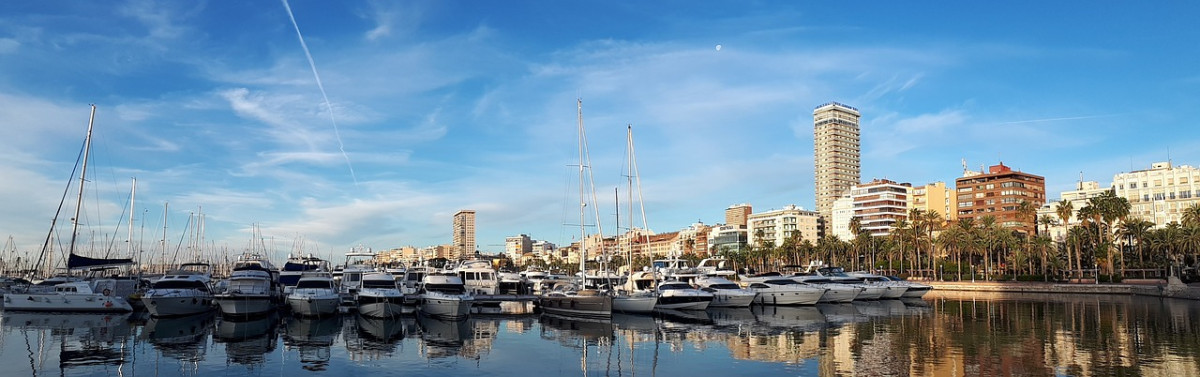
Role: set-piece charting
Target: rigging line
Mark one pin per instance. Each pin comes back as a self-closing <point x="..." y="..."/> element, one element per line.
<point x="311" y="63"/>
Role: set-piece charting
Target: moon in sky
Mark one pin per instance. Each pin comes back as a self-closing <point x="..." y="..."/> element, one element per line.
<point x="718" y="47"/>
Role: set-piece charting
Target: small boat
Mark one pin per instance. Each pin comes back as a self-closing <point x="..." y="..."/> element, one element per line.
<point x="182" y="292"/>
<point x="315" y="295"/>
<point x="252" y="288"/>
<point x="379" y="296"/>
<point x="726" y="293"/>
<point x="443" y="295"/>
<point x="681" y="296"/>
<point x="74" y="297"/>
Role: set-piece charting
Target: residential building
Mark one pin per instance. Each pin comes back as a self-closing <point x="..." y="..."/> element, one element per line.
<point x="935" y="197"/>
<point x="1078" y="198"/>
<point x="516" y="246"/>
<point x="464" y="234"/>
<point x="879" y="204"/>
<point x="839" y="221"/>
<point x="1161" y="193"/>
<point x="836" y="153"/>
<point x="694" y="239"/>
<point x="736" y="214"/>
<point x="997" y="193"/>
<point x="778" y="225"/>
<point x="727" y="238"/>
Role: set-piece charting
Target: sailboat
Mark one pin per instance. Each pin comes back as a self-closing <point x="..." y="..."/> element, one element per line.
<point x="630" y="300"/>
<point x="99" y="295"/>
<point x="572" y="299"/>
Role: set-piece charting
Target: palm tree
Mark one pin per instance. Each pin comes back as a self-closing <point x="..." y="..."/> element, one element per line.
<point x="1027" y="214"/>
<point x="1136" y="231"/>
<point x="1191" y="216"/>
<point x="1064" y="210"/>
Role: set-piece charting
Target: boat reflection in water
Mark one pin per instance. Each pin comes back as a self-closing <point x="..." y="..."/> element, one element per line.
<point x="791" y="318"/>
<point x="180" y="338"/>
<point x="442" y="337"/>
<point x="312" y="337"/>
<point x="371" y="338"/>
<point x="83" y="339"/>
<point x="247" y="341"/>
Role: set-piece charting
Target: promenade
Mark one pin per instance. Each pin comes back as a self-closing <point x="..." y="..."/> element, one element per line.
<point x="1181" y="291"/>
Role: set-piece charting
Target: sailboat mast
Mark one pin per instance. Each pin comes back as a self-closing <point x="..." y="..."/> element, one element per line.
<point x="87" y="149"/>
<point x="129" y="239"/>
<point x="582" y="198"/>
<point x="629" y="178"/>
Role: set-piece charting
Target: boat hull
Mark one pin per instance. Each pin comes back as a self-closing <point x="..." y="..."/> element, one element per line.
<point x="245" y="305"/>
<point x="634" y="304"/>
<point x="597" y="306"/>
<point x="894" y="291"/>
<point x="72" y="303"/>
<point x="789" y="297"/>
<point x="840" y="294"/>
<point x="314" y="306"/>
<point x="177" y="305"/>
<point x="382" y="306"/>
<point x="683" y="302"/>
<point x="916" y="291"/>
<point x="731" y="299"/>
<point x="449" y="307"/>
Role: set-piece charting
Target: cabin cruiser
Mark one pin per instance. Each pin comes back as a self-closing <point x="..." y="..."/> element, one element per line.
<point x="716" y="266"/>
<point x="915" y="290"/>
<point x="410" y="285"/>
<point x="569" y="299"/>
<point x="726" y="293"/>
<point x="512" y="283"/>
<point x="838" y="275"/>
<point x="782" y="290"/>
<point x="253" y="288"/>
<point x="314" y="295"/>
<point x="679" y="295"/>
<point x="74" y="296"/>
<point x="181" y="292"/>
<point x="478" y="277"/>
<point x="357" y="264"/>
<point x="893" y="290"/>
<point x="834" y="292"/>
<point x="296" y="266"/>
<point x="675" y="269"/>
<point x="443" y="295"/>
<point x="380" y="296"/>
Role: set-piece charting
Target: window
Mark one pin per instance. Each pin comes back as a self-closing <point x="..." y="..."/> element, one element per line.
<point x="1132" y="185"/>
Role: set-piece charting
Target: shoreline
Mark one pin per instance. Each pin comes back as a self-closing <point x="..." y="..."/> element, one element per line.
<point x="1178" y="291"/>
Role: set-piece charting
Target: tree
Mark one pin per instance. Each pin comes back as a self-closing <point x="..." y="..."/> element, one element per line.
<point x="1136" y="231"/>
<point x="1064" y="210"/>
<point x="1191" y="216"/>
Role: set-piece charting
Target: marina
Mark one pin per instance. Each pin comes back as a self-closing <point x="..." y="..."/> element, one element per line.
<point x="1006" y="334"/>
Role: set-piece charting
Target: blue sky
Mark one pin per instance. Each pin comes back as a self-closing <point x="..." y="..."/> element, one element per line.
<point x="447" y="105"/>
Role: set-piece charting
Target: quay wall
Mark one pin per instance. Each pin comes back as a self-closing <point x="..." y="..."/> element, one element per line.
<point x="1179" y="291"/>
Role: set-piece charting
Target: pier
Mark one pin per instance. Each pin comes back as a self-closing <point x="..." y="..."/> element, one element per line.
<point x="1177" y="290"/>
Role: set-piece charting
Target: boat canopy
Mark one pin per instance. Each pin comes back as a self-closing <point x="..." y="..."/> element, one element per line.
<point x="81" y="262"/>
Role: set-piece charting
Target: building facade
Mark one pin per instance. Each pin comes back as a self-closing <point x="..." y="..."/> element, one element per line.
<point x="997" y="193"/>
<point x="729" y="238"/>
<point x="836" y="153"/>
<point x="1161" y="193"/>
<point x="464" y="234"/>
<point x="778" y="225"/>
<point x="736" y="214"/>
<point x="879" y="204"/>
<point x="839" y="220"/>
<point x="1078" y="198"/>
<point x="516" y="246"/>
<point x="935" y="197"/>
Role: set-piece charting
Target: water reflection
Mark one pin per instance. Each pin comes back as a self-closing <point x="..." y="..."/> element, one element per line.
<point x="247" y="342"/>
<point x="948" y="334"/>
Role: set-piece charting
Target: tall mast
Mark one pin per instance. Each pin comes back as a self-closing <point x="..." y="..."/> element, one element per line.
<point x="129" y="239"/>
<point x="87" y="149"/>
<point x="582" y="200"/>
<point x="629" y="178"/>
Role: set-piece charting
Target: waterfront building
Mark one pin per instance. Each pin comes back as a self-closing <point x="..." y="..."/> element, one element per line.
<point x="658" y="245"/>
<point x="997" y="193"/>
<point x="518" y="245"/>
<point x="839" y="221"/>
<point x="464" y="234"/>
<point x="440" y="251"/>
<point x="694" y="239"/>
<point x="935" y="197"/>
<point x="836" y="153"/>
<point x="736" y="214"/>
<point x="1161" y="193"/>
<point x="1078" y="198"/>
<point x="775" y="226"/>
<point x="727" y="238"/>
<point x="879" y="204"/>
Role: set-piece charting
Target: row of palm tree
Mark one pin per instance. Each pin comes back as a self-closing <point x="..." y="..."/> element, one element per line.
<point x="1102" y="238"/>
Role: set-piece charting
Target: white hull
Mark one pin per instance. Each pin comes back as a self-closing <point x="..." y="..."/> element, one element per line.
<point x="314" y="306"/>
<point x="870" y="292"/>
<point x="445" y="306"/>
<point x="789" y="297"/>
<point x="732" y="299"/>
<point x="66" y="302"/>
<point x="916" y="291"/>
<point x="176" y="305"/>
<point x="245" y="305"/>
<point x="837" y="293"/>
<point x="894" y="291"/>
<point x="634" y="304"/>
<point x="383" y="310"/>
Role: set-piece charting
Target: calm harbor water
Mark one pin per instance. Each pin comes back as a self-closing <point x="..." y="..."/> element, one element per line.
<point x="946" y="334"/>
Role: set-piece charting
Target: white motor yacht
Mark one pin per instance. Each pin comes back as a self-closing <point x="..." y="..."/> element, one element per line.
<point x="410" y="285"/>
<point x="726" y="293"/>
<point x="839" y="276"/>
<point x="893" y="290"/>
<point x="76" y="296"/>
<point x="252" y="288"/>
<point x="380" y="296"/>
<point x="915" y="290"/>
<point x="443" y="295"/>
<point x="314" y="295"/>
<point x="834" y="292"/>
<point x="782" y="290"/>
<point x="358" y="263"/>
<point x="478" y="277"/>
<point x="681" y="296"/>
<point x="716" y="266"/>
<point x="295" y="268"/>
<point x="181" y="292"/>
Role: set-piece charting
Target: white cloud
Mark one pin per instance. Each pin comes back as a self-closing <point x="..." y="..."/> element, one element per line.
<point x="9" y="45"/>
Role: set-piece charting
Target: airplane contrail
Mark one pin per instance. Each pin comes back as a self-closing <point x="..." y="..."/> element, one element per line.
<point x="1059" y="119"/>
<point x="313" y="64"/>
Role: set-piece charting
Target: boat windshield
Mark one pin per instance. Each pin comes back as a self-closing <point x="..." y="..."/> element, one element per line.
<point x="724" y="286"/>
<point x="782" y="282"/>
<point x="180" y="284"/>
<point x="319" y="284"/>
<point x="379" y="284"/>
<point x="453" y="289"/>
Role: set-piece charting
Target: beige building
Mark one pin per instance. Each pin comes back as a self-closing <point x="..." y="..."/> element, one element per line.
<point x="879" y="204"/>
<point x="516" y="246"/>
<point x="777" y="225"/>
<point x="838" y="224"/>
<point x="736" y="214"/>
<point x="464" y="234"/>
<point x="1078" y="198"/>
<point x="935" y="197"/>
<point x="836" y="153"/>
<point x="1161" y="193"/>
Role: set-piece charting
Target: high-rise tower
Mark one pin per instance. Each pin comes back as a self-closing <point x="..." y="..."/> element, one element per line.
<point x="835" y="153"/>
<point x="464" y="234"/>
